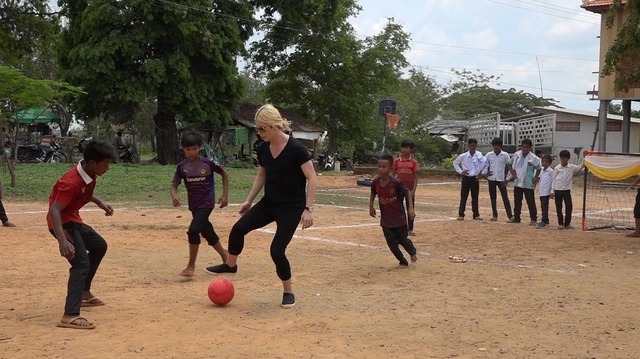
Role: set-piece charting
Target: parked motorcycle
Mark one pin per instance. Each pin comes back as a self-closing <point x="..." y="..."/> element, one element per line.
<point x="36" y="153"/>
<point x="328" y="162"/>
<point x="128" y="154"/>
<point x="77" y="149"/>
<point x="54" y="154"/>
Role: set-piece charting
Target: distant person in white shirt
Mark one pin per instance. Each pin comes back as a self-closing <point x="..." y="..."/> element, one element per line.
<point x="561" y="186"/>
<point x="470" y="166"/>
<point x="545" y="182"/>
<point x="496" y="169"/>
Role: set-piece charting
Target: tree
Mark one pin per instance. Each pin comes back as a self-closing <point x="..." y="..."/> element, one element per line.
<point x="315" y="65"/>
<point x="19" y="92"/>
<point x="472" y="96"/>
<point x="616" y="109"/>
<point x="181" y="55"/>
<point x="418" y="98"/>
<point x="29" y="34"/>
<point x="254" y="88"/>
<point x="623" y="57"/>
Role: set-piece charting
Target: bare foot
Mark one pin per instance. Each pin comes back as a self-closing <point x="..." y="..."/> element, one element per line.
<point x="414" y="258"/>
<point x="188" y="272"/>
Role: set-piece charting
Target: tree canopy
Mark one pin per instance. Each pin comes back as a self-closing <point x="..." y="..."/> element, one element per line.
<point x="623" y="57"/>
<point x="315" y="64"/>
<point x="181" y="55"/>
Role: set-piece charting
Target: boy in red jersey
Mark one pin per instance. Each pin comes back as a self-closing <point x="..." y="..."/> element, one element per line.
<point x="393" y="219"/>
<point x="197" y="173"/>
<point x="405" y="168"/>
<point x="79" y="243"/>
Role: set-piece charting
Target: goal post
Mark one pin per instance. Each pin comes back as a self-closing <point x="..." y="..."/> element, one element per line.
<point x="608" y="200"/>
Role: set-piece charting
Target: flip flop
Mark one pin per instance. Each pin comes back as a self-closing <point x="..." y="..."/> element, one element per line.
<point x="92" y="302"/>
<point x="187" y="273"/>
<point x="72" y="323"/>
<point x="457" y="259"/>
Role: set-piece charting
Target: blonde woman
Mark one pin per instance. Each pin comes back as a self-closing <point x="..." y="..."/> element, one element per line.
<point x="286" y="172"/>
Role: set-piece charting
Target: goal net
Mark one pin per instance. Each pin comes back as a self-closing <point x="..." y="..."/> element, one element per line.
<point x="607" y="198"/>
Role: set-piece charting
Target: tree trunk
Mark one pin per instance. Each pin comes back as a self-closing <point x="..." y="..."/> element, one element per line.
<point x="166" y="134"/>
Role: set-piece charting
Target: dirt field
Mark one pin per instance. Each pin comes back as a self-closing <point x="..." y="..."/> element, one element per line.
<point x="523" y="293"/>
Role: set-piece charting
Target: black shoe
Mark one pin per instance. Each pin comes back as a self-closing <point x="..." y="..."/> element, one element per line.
<point x="288" y="300"/>
<point x="221" y="268"/>
<point x="403" y="262"/>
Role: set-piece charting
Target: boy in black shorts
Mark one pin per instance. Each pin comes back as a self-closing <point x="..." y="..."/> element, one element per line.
<point x="197" y="173"/>
<point x="393" y="219"/>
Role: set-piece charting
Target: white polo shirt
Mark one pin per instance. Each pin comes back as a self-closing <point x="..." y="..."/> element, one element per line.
<point x="473" y="164"/>
<point x="563" y="176"/>
<point x="496" y="164"/>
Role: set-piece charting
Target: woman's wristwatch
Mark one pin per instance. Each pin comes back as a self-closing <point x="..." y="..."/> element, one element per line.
<point x="310" y="209"/>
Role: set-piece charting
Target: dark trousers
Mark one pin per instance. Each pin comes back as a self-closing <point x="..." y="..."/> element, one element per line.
<point x="410" y="220"/>
<point x="469" y="184"/>
<point x="261" y="214"/>
<point x="3" y="213"/>
<point x="528" y="194"/>
<point x="544" y="207"/>
<point x="200" y="224"/>
<point x="399" y="237"/>
<point x="564" y="196"/>
<point x="90" y="248"/>
<point x="505" y="198"/>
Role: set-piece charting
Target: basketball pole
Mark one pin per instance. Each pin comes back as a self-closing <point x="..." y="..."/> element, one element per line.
<point x="384" y="134"/>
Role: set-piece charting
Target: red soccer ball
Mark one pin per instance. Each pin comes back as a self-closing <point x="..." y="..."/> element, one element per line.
<point x="221" y="291"/>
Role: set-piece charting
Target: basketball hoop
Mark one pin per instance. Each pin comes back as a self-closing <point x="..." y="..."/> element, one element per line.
<point x="392" y="120"/>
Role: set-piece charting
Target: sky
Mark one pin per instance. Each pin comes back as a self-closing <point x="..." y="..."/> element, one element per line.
<point x="549" y="48"/>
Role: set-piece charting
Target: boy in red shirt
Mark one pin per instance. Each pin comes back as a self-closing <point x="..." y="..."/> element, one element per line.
<point x="79" y="243"/>
<point x="405" y="168"/>
<point x="393" y="220"/>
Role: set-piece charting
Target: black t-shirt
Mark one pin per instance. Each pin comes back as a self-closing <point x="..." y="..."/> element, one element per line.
<point x="285" y="182"/>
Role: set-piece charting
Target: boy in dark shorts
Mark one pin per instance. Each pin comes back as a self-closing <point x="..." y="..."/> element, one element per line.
<point x="79" y="243"/>
<point x="197" y="173"/>
<point x="391" y="193"/>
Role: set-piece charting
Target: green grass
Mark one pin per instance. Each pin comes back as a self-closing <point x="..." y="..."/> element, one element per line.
<point x="147" y="184"/>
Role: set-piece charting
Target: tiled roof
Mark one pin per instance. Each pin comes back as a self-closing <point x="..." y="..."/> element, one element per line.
<point x="598" y="5"/>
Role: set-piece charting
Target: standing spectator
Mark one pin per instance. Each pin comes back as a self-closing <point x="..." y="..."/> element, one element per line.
<point x="470" y="166"/>
<point x="496" y="166"/>
<point x="636" y="209"/>
<point x="561" y="186"/>
<point x="524" y="169"/>
<point x="546" y="180"/>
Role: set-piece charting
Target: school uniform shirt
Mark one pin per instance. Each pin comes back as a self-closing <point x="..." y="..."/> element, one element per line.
<point x="563" y="176"/>
<point x="391" y="201"/>
<point x="74" y="189"/>
<point x="406" y="170"/>
<point x="473" y="164"/>
<point x="199" y="181"/>
<point x="525" y="168"/>
<point x="496" y="164"/>
<point x="546" y="179"/>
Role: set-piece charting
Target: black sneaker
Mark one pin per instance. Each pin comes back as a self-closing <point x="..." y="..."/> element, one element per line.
<point x="221" y="268"/>
<point x="403" y="262"/>
<point x="288" y="300"/>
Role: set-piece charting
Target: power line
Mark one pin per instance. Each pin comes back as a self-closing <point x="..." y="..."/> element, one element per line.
<point x="542" y="12"/>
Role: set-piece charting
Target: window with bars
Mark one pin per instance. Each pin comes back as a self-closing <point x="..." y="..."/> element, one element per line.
<point x="568" y="126"/>
<point x="614" y="126"/>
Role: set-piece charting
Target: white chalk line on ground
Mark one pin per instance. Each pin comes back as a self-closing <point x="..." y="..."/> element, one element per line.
<point x="354" y="244"/>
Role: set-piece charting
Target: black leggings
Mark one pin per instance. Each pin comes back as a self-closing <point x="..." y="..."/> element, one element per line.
<point x="261" y="214"/>
<point x="200" y="224"/>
